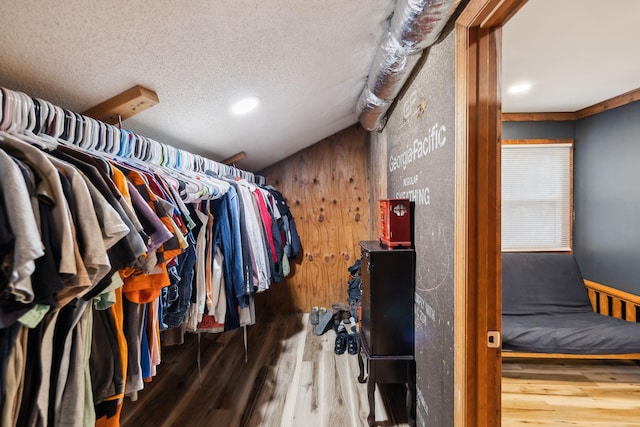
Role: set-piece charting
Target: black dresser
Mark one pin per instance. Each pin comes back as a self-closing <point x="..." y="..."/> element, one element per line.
<point x="387" y="329"/>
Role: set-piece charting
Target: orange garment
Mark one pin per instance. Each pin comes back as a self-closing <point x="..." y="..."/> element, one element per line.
<point x="121" y="183"/>
<point x="138" y="287"/>
<point x="143" y="288"/>
<point x="113" y="421"/>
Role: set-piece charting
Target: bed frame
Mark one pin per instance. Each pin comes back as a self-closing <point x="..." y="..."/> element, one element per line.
<point x="608" y="302"/>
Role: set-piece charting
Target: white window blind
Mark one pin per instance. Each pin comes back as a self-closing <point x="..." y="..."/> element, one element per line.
<point x="536" y="197"/>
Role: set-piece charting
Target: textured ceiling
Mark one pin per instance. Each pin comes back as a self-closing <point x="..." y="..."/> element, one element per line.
<point x="576" y="53"/>
<point x="306" y="60"/>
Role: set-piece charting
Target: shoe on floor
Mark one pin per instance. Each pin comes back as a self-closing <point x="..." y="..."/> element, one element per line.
<point x="324" y="323"/>
<point x="352" y="344"/>
<point x="353" y="269"/>
<point x="314" y="316"/>
<point x="339" y="306"/>
<point x="341" y="343"/>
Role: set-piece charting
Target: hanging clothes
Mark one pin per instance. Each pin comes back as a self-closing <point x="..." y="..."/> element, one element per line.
<point x="106" y="240"/>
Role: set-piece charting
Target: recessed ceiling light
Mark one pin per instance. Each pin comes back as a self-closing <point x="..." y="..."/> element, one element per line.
<point x="245" y="105"/>
<point x="520" y="88"/>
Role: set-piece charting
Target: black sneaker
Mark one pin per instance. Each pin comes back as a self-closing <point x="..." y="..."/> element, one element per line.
<point x="352" y="344"/>
<point x="341" y="343"/>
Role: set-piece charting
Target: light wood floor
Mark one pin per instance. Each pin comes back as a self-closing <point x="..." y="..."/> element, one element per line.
<point x="292" y="378"/>
<point x="570" y="393"/>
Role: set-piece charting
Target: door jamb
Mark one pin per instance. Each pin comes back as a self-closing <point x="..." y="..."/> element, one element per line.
<point x="477" y="278"/>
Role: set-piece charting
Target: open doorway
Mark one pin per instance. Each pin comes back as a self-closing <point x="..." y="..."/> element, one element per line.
<point x="574" y="99"/>
<point x="477" y="254"/>
<point x="478" y="201"/>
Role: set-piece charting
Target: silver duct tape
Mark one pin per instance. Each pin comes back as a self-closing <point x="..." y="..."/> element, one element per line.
<point x="371" y="110"/>
<point x="390" y="69"/>
<point x="418" y="23"/>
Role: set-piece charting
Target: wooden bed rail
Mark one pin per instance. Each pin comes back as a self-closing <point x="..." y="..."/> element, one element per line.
<point x="613" y="302"/>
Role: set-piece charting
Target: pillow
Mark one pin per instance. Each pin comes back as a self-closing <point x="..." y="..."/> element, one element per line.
<point x="542" y="283"/>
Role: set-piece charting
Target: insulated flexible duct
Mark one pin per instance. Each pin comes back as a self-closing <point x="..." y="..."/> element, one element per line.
<point x="415" y="25"/>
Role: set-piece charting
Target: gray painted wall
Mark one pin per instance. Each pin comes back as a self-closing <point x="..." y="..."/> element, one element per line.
<point x="606" y="234"/>
<point x="538" y="130"/>
<point x="607" y="197"/>
<point x="421" y="167"/>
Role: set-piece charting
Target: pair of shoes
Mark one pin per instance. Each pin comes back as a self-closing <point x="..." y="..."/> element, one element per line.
<point x="314" y="316"/>
<point x="341" y="343"/>
<point x="352" y="344"/>
<point x="325" y="322"/>
<point x="355" y="268"/>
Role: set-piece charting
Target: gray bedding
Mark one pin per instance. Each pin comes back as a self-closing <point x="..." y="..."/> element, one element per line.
<point x="546" y="309"/>
<point x="572" y="333"/>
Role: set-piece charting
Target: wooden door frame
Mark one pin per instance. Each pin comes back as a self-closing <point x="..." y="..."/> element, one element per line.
<point x="477" y="280"/>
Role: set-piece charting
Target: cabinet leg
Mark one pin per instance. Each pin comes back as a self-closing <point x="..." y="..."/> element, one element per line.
<point x="371" y="389"/>
<point x="411" y="393"/>
<point x="361" y="356"/>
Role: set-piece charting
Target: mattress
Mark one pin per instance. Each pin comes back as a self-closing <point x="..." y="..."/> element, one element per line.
<point x="569" y="333"/>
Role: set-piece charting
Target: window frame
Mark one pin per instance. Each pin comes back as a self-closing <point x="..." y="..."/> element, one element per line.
<point x="544" y="141"/>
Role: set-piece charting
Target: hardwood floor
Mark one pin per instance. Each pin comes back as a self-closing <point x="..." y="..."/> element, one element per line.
<point x="291" y="378"/>
<point x="585" y="393"/>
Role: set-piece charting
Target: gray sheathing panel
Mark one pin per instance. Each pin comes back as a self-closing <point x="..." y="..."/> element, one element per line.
<point x="421" y="166"/>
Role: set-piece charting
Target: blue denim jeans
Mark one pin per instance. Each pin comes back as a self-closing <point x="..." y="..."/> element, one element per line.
<point x="177" y="296"/>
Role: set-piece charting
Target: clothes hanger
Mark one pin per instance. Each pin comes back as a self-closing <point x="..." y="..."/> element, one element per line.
<point x="41" y="123"/>
<point x="43" y="107"/>
<point x="138" y="148"/>
<point x="66" y="125"/>
<point x="16" y="120"/>
<point x="79" y="130"/>
<point x="155" y="152"/>
<point x="84" y="134"/>
<point x="116" y="141"/>
<point x="87" y="140"/>
<point x="56" y="128"/>
<point x="108" y="140"/>
<point x="102" y="136"/>
<point x="20" y="123"/>
<point x="124" y="143"/>
<point x="149" y="153"/>
<point x="7" y="110"/>
<point x="22" y="108"/>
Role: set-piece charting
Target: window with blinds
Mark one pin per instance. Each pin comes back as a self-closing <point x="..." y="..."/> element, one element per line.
<point x="536" y="197"/>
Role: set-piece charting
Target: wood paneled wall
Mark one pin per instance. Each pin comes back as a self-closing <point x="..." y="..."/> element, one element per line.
<point x="327" y="189"/>
<point x="377" y="164"/>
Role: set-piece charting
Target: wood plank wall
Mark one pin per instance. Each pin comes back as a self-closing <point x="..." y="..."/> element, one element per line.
<point x="327" y="189"/>
<point x="377" y="162"/>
